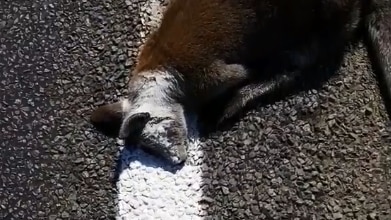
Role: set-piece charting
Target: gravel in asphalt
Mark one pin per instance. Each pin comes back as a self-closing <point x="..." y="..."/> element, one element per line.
<point x="55" y="59"/>
<point x="322" y="154"/>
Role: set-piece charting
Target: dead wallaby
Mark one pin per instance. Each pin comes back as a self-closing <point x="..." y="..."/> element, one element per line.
<point x="204" y="48"/>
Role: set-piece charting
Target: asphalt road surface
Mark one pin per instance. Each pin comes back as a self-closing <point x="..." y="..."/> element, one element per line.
<point x="321" y="154"/>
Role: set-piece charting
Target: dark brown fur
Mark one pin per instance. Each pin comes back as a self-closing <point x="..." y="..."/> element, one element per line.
<point x="215" y="46"/>
<point x="195" y="34"/>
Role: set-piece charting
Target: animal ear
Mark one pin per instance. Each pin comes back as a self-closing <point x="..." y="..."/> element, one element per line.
<point x="108" y="118"/>
<point x="133" y="125"/>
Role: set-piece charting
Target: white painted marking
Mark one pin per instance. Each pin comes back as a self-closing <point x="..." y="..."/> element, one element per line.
<point x="148" y="189"/>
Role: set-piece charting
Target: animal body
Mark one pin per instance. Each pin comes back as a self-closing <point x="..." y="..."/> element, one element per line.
<point x="206" y="48"/>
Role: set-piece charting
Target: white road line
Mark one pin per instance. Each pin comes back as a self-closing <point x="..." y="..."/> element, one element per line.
<point x="150" y="189"/>
<point x="147" y="187"/>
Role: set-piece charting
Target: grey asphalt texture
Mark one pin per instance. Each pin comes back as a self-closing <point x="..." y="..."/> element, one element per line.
<point x="322" y="154"/>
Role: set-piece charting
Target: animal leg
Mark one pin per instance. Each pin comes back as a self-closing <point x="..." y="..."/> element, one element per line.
<point x="378" y="28"/>
<point x="307" y="62"/>
<point x="252" y="92"/>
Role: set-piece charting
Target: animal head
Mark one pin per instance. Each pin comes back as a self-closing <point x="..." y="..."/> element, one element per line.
<point x="149" y="116"/>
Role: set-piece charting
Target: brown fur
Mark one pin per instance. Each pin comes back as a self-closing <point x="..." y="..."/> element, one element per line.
<point x="194" y="34"/>
<point x="212" y="46"/>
